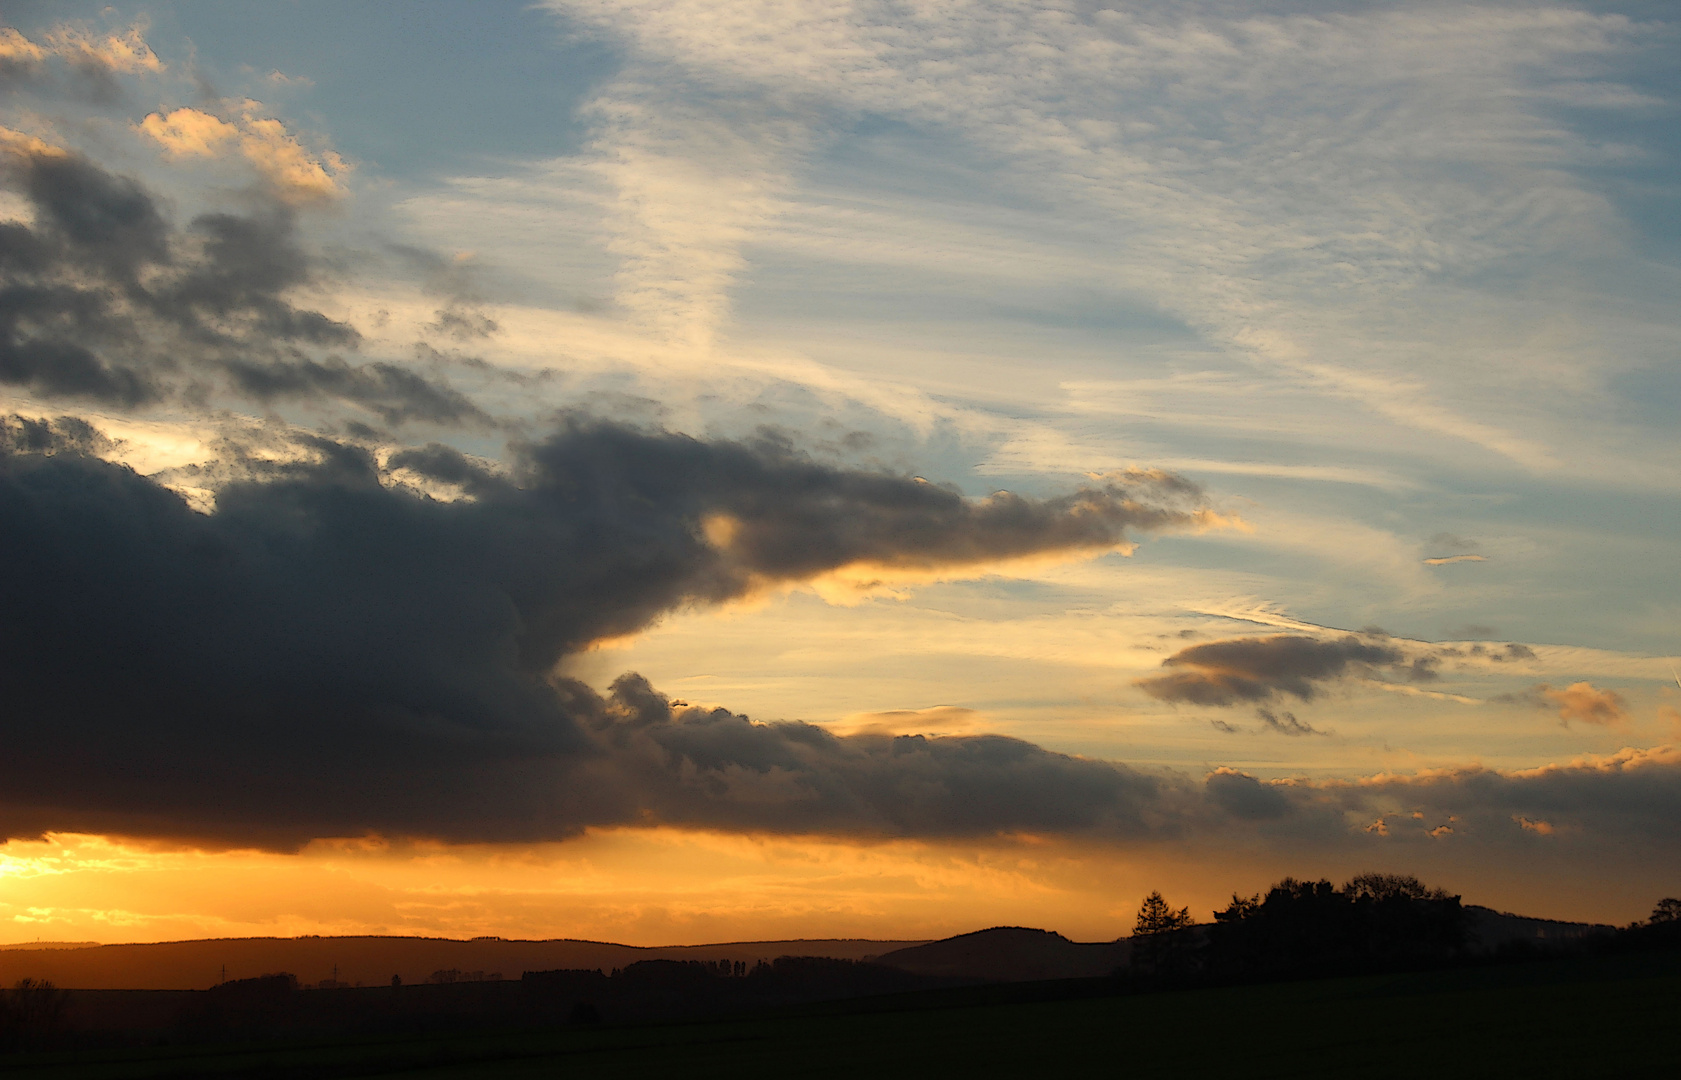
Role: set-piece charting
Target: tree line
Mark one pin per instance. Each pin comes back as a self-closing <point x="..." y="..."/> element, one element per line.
<point x="1300" y="929"/>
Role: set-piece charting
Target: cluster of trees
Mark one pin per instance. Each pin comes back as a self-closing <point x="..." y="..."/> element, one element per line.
<point x="454" y="975"/>
<point x="1373" y="922"/>
<point x="1300" y="928"/>
<point x="694" y="987"/>
<point x="1159" y="944"/>
<point x="690" y="969"/>
<point x="1661" y="930"/>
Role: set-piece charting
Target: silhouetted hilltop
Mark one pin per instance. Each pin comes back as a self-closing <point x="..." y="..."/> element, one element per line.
<point x="276" y="1005"/>
<point x="1010" y="954"/>
<point x="1021" y="954"/>
<point x="1002" y="954"/>
<point x="50" y="945"/>
<point x="1488" y="930"/>
<point x="372" y="961"/>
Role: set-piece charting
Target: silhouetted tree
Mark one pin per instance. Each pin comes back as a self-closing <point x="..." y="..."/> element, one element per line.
<point x="1381" y="887"/>
<point x="1160" y="948"/>
<point x="1241" y="907"/>
<point x="30" y="1014"/>
<point x="1156" y="915"/>
<point x="1661" y="930"/>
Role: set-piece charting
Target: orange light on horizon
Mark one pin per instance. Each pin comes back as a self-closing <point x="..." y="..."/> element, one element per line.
<point x="668" y="886"/>
<point x="659" y="886"/>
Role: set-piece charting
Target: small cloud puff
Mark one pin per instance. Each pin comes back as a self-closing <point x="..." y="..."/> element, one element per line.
<point x="1584" y="702"/>
<point x="94" y="59"/>
<point x="290" y="170"/>
<point x="280" y="78"/>
<point x="189" y="132"/>
<point x="17" y="50"/>
<point x="1446" y="559"/>
<point x="21" y="146"/>
<point x="1580" y="701"/>
<point x="125" y="52"/>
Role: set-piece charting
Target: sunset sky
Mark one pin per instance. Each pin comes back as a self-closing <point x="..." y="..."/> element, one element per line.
<point x="669" y="471"/>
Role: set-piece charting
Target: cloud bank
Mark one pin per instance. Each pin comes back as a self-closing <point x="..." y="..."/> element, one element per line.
<point x="334" y="652"/>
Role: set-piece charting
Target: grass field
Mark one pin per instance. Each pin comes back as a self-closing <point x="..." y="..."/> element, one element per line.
<point x="1601" y="1016"/>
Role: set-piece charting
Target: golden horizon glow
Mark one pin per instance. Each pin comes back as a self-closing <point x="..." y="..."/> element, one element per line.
<point x="659" y="887"/>
<point x="633" y="886"/>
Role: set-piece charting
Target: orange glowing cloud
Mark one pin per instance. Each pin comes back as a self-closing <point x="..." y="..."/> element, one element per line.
<point x="125" y="52"/>
<point x="1584" y="702"/>
<point x="292" y="172"/>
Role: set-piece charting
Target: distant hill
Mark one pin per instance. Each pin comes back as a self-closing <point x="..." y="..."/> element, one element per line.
<point x="1010" y="954"/>
<point x="1489" y="929"/>
<point x="1001" y="954"/>
<point x="50" y="945"/>
<point x="1018" y="954"/>
<point x="370" y="961"/>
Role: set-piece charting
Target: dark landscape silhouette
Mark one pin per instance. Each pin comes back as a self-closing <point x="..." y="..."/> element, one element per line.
<point x="1373" y="924"/>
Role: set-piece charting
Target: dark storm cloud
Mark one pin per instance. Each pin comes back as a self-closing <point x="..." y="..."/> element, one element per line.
<point x="715" y="768"/>
<point x="1243" y="796"/>
<point x="1242" y="670"/>
<point x="103" y="300"/>
<point x="66" y="434"/>
<point x="332" y="653"/>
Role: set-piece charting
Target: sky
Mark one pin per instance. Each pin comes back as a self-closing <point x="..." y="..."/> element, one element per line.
<point x="667" y="472"/>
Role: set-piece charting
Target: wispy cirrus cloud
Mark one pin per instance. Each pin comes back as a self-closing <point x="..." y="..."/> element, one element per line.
<point x="691" y="189"/>
<point x="1203" y="195"/>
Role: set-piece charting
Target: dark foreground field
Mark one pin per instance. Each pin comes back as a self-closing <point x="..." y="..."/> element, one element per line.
<point x="1586" y="1016"/>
